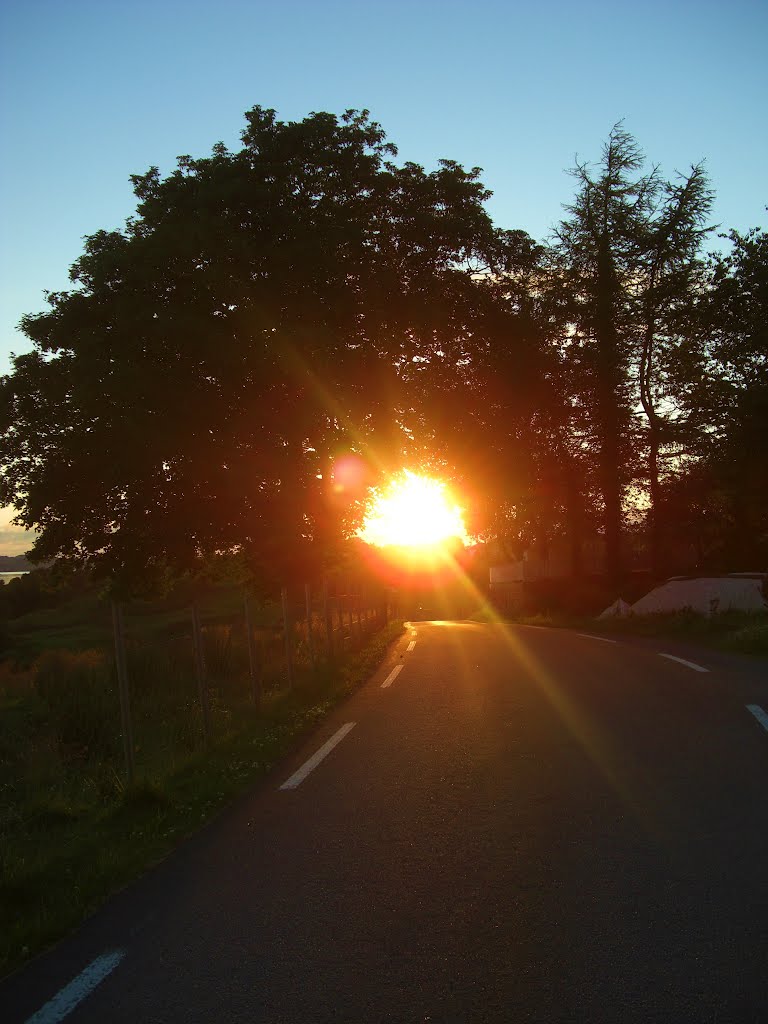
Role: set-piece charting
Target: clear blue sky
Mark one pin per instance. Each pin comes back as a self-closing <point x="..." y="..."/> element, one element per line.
<point x="94" y="90"/>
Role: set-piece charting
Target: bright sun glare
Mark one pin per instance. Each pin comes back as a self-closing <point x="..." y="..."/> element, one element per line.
<point x="413" y="511"/>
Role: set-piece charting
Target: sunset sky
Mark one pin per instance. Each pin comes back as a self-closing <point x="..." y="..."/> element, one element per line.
<point x="92" y="92"/>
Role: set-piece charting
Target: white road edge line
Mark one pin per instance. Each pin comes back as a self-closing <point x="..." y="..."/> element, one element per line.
<point x="682" y="661"/>
<point x="392" y="676"/>
<point x="591" y="636"/>
<point x="71" y="995"/>
<point x="298" y="776"/>
<point x="760" y="715"/>
<point x="411" y="645"/>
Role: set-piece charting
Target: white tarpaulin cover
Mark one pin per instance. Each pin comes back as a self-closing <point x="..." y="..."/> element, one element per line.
<point x="619" y="609"/>
<point x="707" y="595"/>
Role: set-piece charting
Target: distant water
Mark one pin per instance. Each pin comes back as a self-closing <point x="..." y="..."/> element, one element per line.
<point x="6" y="577"/>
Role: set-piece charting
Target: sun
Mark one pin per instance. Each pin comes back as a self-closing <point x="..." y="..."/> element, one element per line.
<point x="413" y="511"/>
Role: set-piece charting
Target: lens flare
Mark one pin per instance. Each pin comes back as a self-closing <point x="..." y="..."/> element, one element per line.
<point x="413" y="511"/>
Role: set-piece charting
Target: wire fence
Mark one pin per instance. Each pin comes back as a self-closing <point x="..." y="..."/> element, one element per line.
<point x="118" y="692"/>
<point x="185" y="682"/>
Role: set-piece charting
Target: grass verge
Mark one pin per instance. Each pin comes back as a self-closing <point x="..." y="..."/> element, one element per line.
<point x="739" y="632"/>
<point x="71" y="852"/>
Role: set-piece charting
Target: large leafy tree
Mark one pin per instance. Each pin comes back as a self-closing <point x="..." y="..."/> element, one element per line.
<point x="476" y="393"/>
<point x="494" y="408"/>
<point x="628" y="261"/>
<point x="718" y="515"/>
<point x="188" y="393"/>
<point x="718" y="503"/>
<point x="734" y="313"/>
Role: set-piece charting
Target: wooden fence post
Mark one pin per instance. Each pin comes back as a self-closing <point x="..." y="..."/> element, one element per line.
<point x="202" y="682"/>
<point x="349" y="614"/>
<point x="310" y="638"/>
<point x="287" y="632"/>
<point x="121" y="666"/>
<point x="327" y="615"/>
<point x="253" y="666"/>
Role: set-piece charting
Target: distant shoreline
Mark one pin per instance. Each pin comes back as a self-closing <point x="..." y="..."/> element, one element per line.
<point x="14" y="564"/>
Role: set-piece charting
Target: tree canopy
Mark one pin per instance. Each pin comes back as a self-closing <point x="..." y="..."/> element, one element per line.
<point x="270" y="309"/>
<point x="255" y="316"/>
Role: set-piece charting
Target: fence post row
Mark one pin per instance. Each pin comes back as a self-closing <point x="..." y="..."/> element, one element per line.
<point x="310" y="637"/>
<point x="121" y="666"/>
<point x="287" y="632"/>
<point x="328" y="620"/>
<point x="351" y="626"/>
<point x="358" y="610"/>
<point x="202" y="684"/>
<point x="253" y="666"/>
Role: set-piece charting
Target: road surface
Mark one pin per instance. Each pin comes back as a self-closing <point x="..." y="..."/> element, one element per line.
<point x="505" y="824"/>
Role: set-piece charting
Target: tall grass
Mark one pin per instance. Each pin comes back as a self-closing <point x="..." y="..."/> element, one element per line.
<point x="744" y="632"/>
<point x="70" y="829"/>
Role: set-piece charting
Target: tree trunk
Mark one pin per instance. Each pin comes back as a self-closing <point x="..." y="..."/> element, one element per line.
<point x="574" y="513"/>
<point x="656" y="541"/>
<point x="609" y="425"/>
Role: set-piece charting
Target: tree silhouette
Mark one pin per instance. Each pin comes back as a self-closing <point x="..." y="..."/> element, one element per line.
<point x="597" y="253"/>
<point x="666" y="290"/>
<point x="188" y="394"/>
<point x="718" y="501"/>
<point x="305" y="297"/>
<point x="628" y="258"/>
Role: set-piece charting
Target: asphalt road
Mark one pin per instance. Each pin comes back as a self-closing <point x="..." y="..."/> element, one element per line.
<point x="523" y="825"/>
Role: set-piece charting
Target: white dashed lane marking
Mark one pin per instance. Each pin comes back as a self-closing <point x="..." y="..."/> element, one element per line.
<point x="65" y="1001"/>
<point x="759" y="714"/>
<point x="298" y="776"/>
<point x="591" y="636"/>
<point x="411" y="645"/>
<point x="392" y="676"/>
<point x="682" y="661"/>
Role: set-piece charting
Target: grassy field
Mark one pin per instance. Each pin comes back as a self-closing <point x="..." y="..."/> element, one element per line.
<point x="71" y="830"/>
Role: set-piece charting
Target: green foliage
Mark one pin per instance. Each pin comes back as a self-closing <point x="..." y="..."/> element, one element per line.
<point x="186" y="396"/>
<point x="748" y="639"/>
<point x="42" y="588"/>
<point x="732" y="630"/>
<point x="734" y="308"/>
<point x="71" y="832"/>
<point x="80" y="696"/>
<point x="305" y="297"/>
<point x="628" y="258"/>
<point x="716" y="507"/>
<point x="22" y="595"/>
